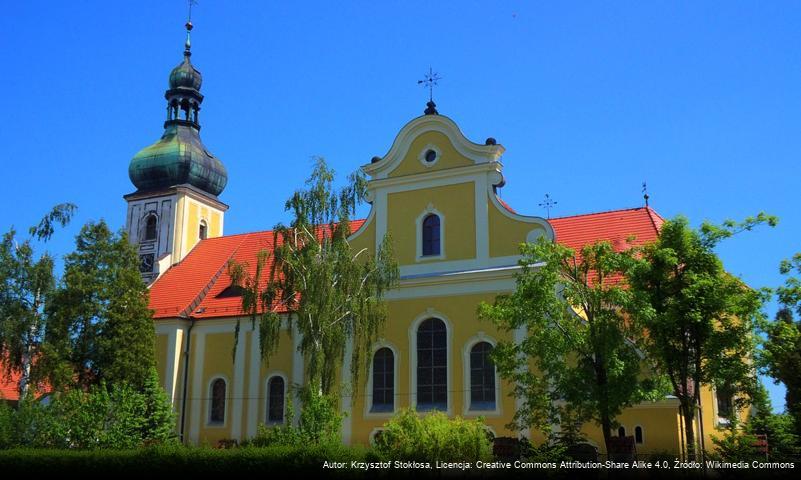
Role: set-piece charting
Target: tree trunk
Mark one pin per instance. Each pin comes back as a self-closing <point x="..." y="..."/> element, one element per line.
<point x="688" y="414"/>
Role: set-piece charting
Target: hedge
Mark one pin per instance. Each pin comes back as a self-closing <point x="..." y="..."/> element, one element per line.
<point x="183" y="460"/>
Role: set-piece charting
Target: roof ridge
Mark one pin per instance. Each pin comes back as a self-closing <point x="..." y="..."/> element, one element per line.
<point x="631" y="209"/>
<point x="651" y="213"/>
<point x="212" y="281"/>
<point x="266" y="231"/>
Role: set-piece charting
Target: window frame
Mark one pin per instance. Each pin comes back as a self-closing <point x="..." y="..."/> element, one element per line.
<point x="467" y="410"/>
<point x="151" y="216"/>
<point x="385" y="408"/>
<point x="268" y="398"/>
<point x="209" y="407"/>
<point x="430" y="210"/>
<point x="415" y="367"/>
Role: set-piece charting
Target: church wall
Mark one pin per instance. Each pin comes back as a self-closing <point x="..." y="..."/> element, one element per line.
<point x="448" y="157"/>
<point x="459" y="313"/>
<point x="161" y="357"/>
<point x="456" y="206"/>
<point x="217" y="363"/>
<point x="506" y="233"/>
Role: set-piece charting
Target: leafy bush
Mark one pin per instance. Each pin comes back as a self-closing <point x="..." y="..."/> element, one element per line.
<point x="319" y="424"/>
<point x="434" y="436"/>
<point x="115" y="417"/>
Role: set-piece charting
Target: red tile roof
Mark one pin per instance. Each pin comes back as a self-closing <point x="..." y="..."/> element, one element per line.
<point x="193" y="286"/>
<point x="615" y="226"/>
<point x="8" y="386"/>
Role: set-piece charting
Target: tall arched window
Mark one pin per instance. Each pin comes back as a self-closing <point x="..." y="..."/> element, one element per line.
<point x="482" y="377"/>
<point x="383" y="381"/>
<point x="432" y="365"/>
<point x="638" y="434"/>
<point x="203" y="230"/>
<point x="217" y="404"/>
<point x="621" y="431"/>
<point x="431" y="235"/>
<point x="275" y="400"/>
<point x="150" y="227"/>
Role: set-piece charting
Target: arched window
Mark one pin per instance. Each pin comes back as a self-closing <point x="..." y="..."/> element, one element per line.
<point x="383" y="380"/>
<point x="217" y="405"/>
<point x="431" y="235"/>
<point x="432" y="365"/>
<point x="482" y="377"/>
<point x="275" y="400"/>
<point x="638" y="434"/>
<point x="150" y="227"/>
<point x="621" y="431"/>
<point x="203" y="230"/>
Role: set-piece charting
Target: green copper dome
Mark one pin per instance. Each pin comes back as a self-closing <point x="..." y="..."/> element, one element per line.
<point x="185" y="75"/>
<point x="179" y="157"/>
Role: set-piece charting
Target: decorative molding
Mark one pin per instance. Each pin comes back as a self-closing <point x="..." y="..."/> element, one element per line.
<point x="431" y="123"/>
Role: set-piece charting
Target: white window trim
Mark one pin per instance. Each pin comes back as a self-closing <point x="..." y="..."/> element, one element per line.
<point x="419" y="221"/>
<point x="224" y="423"/>
<point x="422" y="155"/>
<point x="642" y="430"/>
<point x="466" y="410"/>
<point x="430" y="313"/>
<point x="368" y="394"/>
<point x="625" y="431"/>
<point x="266" y="409"/>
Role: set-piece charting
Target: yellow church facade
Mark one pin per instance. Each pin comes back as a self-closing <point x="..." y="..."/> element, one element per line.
<point x="431" y="171"/>
<point x="457" y="245"/>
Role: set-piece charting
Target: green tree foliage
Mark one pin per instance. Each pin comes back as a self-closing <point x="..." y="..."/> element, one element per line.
<point x="433" y="436"/>
<point x="790" y="292"/>
<point x="102" y="417"/>
<point x="700" y="320"/>
<point x="99" y="327"/>
<point x="740" y="441"/>
<point x="579" y="337"/>
<point x="26" y="284"/>
<point x="319" y="424"/>
<point x="781" y="355"/>
<point x="332" y="292"/>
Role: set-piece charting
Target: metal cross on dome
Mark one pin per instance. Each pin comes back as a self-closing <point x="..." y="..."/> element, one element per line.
<point x="430" y="80"/>
<point x="548" y="203"/>
<point x="190" y="3"/>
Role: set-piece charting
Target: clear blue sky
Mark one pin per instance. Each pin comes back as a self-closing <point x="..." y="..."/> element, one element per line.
<point x="701" y="99"/>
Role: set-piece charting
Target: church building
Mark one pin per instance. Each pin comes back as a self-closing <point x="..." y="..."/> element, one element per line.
<point x="456" y="243"/>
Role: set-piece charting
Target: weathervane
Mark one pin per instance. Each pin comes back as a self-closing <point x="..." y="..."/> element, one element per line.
<point x="430" y="80"/>
<point x="645" y="193"/>
<point x="548" y="204"/>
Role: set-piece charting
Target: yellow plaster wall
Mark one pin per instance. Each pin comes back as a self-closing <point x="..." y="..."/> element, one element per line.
<point x="449" y="157"/>
<point x="506" y="234"/>
<point x="365" y="238"/>
<point x="455" y="202"/>
<point x="217" y="362"/>
<point x="279" y="361"/>
<point x="161" y="357"/>
<point x="461" y="314"/>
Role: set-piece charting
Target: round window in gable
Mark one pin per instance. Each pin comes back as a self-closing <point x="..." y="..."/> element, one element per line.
<point x="430" y="156"/>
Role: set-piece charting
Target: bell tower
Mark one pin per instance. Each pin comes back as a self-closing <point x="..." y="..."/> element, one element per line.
<point x="177" y="180"/>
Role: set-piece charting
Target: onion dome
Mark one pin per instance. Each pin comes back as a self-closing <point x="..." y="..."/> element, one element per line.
<point x="179" y="157"/>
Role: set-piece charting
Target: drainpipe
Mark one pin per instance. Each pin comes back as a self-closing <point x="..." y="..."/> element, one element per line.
<point x="186" y="379"/>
